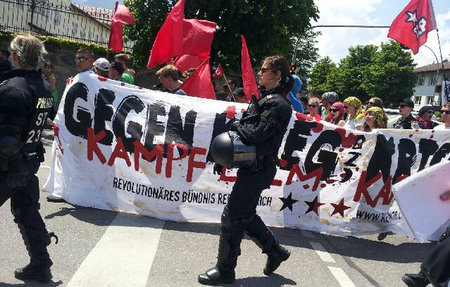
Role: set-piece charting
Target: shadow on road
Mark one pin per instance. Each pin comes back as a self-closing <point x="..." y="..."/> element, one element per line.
<point x="385" y="251"/>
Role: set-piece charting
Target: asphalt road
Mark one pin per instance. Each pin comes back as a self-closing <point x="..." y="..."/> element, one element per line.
<point x="105" y="248"/>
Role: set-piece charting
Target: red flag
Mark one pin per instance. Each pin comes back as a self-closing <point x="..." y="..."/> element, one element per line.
<point x="412" y="25"/>
<point x="185" y="62"/>
<point x="198" y="36"/>
<point x="248" y="78"/>
<point x="219" y="72"/>
<point x="168" y="42"/>
<point x="199" y="83"/>
<point x="121" y="16"/>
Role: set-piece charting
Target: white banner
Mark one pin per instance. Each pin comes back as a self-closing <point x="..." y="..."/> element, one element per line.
<point x="419" y="199"/>
<point x="120" y="147"/>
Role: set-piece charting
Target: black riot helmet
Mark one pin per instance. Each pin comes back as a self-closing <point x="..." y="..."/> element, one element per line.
<point x="228" y="150"/>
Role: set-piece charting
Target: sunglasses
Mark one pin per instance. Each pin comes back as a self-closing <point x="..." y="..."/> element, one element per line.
<point x="81" y="59"/>
<point x="401" y="106"/>
<point x="334" y="110"/>
<point x="312" y="106"/>
<point x="447" y="112"/>
<point x="263" y="70"/>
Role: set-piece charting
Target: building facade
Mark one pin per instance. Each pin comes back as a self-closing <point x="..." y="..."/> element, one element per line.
<point x="427" y="91"/>
<point x="59" y="18"/>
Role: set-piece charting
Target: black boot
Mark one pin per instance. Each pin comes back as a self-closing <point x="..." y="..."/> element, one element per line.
<point x="277" y="255"/>
<point x="232" y="232"/>
<point x="416" y="280"/>
<point x="36" y="239"/>
<point x="213" y="276"/>
<point x="35" y="272"/>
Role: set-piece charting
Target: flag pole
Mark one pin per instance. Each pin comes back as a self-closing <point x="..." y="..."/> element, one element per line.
<point x="228" y="86"/>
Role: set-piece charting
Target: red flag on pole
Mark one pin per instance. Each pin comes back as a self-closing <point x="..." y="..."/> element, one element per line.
<point x="248" y="78"/>
<point x="199" y="83"/>
<point x="198" y="36"/>
<point x="168" y="42"/>
<point x="412" y="25"/>
<point x="121" y="16"/>
<point x="218" y="73"/>
<point x="186" y="62"/>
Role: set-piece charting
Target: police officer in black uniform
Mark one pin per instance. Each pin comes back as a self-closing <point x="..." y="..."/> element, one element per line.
<point x="25" y="102"/>
<point x="262" y="125"/>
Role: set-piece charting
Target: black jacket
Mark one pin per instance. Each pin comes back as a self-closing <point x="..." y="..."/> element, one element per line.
<point x="265" y="122"/>
<point x="25" y="102"/>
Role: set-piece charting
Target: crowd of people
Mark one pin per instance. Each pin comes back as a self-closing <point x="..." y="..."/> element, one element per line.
<point x="24" y="83"/>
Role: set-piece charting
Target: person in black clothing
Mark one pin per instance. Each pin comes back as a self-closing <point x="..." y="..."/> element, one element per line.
<point x="406" y="121"/>
<point x="262" y="125"/>
<point x="435" y="269"/>
<point x="5" y="64"/>
<point x="25" y="102"/>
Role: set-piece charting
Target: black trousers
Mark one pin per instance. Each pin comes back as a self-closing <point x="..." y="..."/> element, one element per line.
<point x="25" y="209"/>
<point x="239" y="216"/>
<point x="437" y="264"/>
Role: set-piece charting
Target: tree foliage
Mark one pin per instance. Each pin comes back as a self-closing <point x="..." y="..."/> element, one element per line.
<point x="320" y="75"/>
<point x="269" y="27"/>
<point x="368" y="71"/>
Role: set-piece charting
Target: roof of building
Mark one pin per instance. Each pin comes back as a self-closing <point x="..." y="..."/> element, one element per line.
<point x="432" y="67"/>
<point x="102" y="15"/>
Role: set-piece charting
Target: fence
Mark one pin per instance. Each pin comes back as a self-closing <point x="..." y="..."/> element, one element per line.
<point x="59" y="18"/>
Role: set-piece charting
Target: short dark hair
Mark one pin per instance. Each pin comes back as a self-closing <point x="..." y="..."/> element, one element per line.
<point x="86" y="51"/>
<point x="118" y="67"/>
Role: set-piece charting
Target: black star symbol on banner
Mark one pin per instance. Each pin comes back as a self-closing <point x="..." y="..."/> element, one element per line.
<point x="339" y="208"/>
<point x="314" y="205"/>
<point x="288" y="202"/>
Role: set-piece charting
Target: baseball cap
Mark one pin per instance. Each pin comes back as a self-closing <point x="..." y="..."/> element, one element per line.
<point x="102" y="64"/>
<point x="407" y="102"/>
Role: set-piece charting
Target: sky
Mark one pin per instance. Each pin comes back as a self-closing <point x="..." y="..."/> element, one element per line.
<point x="334" y="42"/>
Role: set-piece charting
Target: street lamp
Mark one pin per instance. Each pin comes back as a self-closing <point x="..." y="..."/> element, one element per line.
<point x="437" y="71"/>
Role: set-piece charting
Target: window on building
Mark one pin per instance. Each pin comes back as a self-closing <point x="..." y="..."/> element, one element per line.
<point x="430" y="100"/>
<point x="417" y="100"/>
<point x="421" y="81"/>
<point x="432" y="81"/>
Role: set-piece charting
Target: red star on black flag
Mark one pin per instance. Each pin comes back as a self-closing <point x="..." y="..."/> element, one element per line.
<point x="339" y="208"/>
<point x="314" y="205"/>
<point x="288" y="202"/>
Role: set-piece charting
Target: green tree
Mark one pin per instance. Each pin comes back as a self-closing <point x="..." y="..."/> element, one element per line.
<point x="320" y="74"/>
<point x="353" y="72"/>
<point x="305" y="53"/>
<point x="391" y="76"/>
<point x="268" y="26"/>
<point x="368" y="71"/>
<point x="149" y="17"/>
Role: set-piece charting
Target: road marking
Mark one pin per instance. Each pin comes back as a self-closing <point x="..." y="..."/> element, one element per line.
<point x="123" y="256"/>
<point x="322" y="252"/>
<point x="341" y="277"/>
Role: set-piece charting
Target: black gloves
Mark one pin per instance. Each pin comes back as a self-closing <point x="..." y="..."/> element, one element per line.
<point x="218" y="168"/>
<point x="18" y="175"/>
<point x="234" y="126"/>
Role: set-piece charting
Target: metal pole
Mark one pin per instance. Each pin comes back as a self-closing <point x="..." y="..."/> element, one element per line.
<point x="437" y="70"/>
